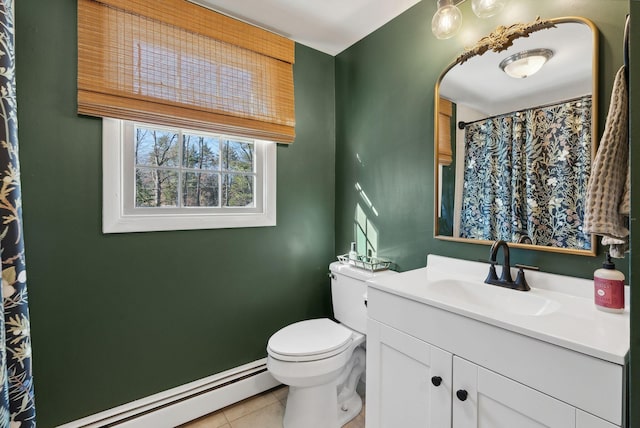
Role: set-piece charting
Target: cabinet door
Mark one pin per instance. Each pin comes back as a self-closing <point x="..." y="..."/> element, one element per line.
<point x="408" y="381"/>
<point x="482" y="398"/>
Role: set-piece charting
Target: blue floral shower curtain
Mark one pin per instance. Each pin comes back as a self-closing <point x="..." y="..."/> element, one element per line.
<point x="526" y="176"/>
<point x="17" y="406"/>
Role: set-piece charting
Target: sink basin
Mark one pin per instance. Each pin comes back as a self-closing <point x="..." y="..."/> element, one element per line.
<point x="496" y="298"/>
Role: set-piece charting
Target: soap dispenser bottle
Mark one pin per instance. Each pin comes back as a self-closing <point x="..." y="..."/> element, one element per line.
<point x="609" y="287"/>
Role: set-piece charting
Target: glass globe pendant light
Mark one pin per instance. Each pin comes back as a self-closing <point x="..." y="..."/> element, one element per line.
<point x="487" y="8"/>
<point x="447" y="20"/>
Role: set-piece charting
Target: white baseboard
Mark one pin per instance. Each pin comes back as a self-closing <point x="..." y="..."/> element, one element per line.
<point x="187" y="402"/>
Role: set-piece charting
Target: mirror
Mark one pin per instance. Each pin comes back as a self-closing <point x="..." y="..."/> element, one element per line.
<point x="513" y="155"/>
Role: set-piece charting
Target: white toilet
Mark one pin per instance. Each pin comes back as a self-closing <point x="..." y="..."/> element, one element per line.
<point x="322" y="360"/>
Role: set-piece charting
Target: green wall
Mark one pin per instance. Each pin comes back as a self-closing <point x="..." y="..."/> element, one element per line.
<point x="118" y="317"/>
<point x="384" y="126"/>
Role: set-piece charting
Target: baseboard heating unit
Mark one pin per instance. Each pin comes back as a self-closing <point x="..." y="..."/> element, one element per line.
<point x="182" y="404"/>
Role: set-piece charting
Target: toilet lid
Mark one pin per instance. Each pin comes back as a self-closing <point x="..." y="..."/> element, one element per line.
<point x="318" y="338"/>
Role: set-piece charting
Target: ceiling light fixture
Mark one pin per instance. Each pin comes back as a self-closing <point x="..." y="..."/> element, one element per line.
<point x="526" y="63"/>
<point x="448" y="19"/>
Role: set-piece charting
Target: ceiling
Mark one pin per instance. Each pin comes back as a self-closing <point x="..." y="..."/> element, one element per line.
<point x="329" y="26"/>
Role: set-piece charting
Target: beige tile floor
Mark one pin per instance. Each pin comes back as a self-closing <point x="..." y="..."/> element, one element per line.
<point x="262" y="411"/>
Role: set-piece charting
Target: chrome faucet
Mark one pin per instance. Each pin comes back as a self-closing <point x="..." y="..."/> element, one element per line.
<point x="505" y="279"/>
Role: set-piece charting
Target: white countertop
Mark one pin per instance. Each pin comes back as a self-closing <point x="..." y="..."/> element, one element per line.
<point x="572" y="321"/>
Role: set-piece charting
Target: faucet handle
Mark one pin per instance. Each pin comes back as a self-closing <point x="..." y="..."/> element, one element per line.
<point x="492" y="276"/>
<point x="521" y="281"/>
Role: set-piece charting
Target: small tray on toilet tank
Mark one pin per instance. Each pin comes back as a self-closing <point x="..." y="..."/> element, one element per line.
<point x="372" y="264"/>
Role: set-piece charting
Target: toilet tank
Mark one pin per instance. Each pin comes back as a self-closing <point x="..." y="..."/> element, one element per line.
<point x="348" y="294"/>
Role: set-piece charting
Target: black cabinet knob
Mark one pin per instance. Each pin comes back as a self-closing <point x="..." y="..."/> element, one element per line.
<point x="436" y="380"/>
<point x="462" y="394"/>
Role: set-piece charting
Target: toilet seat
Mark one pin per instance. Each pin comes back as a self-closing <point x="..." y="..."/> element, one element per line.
<point x="310" y="340"/>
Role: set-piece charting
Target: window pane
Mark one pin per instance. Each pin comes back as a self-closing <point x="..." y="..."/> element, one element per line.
<point x="156" y="188"/>
<point x="200" y="152"/>
<point x="200" y="190"/>
<point x="156" y="147"/>
<point x="237" y="156"/>
<point x="237" y="190"/>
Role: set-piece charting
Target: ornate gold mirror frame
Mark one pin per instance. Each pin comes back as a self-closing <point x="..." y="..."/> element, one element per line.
<point x="500" y="40"/>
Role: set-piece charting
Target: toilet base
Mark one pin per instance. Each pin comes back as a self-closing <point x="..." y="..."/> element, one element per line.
<point x="306" y="408"/>
<point x="349" y="409"/>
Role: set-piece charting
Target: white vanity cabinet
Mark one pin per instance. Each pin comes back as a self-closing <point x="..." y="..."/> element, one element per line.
<point x="408" y="380"/>
<point x="430" y="367"/>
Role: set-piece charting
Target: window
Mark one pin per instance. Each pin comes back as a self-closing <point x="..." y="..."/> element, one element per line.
<point x="165" y="178"/>
<point x="187" y="68"/>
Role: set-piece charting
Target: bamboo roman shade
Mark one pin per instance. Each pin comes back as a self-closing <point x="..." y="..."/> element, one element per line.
<point x="175" y="63"/>
<point x="445" y="112"/>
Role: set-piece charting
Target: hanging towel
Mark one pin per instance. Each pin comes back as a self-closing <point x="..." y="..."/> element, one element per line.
<point x="607" y="204"/>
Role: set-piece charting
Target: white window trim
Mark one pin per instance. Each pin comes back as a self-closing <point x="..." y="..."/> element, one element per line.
<point x="116" y="220"/>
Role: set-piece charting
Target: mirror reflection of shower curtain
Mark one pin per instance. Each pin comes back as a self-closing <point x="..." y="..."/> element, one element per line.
<point x="526" y="174"/>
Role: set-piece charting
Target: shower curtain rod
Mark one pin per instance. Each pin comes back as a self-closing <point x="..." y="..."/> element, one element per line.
<point x="462" y="124"/>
